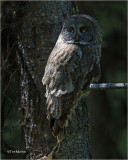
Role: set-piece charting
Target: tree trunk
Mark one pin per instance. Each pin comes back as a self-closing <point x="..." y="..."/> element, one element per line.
<point x="35" y="28"/>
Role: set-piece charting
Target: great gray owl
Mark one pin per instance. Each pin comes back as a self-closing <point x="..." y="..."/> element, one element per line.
<point x="73" y="64"/>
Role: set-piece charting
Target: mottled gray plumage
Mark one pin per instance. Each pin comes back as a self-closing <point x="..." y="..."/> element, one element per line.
<point x="73" y="64"/>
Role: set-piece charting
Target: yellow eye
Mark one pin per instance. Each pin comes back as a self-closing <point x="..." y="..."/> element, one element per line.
<point x="72" y="29"/>
<point x="83" y="29"/>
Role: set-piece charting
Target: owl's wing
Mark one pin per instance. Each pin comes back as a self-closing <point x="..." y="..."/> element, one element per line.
<point x="59" y="76"/>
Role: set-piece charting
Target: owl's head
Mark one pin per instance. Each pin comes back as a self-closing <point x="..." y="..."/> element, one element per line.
<point x="81" y="29"/>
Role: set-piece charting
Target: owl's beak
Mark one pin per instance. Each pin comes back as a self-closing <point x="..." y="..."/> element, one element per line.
<point x="76" y="38"/>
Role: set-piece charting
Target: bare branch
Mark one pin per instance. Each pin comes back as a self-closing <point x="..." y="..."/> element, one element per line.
<point x="107" y="86"/>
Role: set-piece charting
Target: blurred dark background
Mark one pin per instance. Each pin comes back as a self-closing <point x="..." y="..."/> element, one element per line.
<point x="108" y="108"/>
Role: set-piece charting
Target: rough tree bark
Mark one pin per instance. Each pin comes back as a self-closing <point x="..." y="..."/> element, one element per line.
<point x="35" y="28"/>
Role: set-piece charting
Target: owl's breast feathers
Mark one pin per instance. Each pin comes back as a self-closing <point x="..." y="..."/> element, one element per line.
<point x="64" y="78"/>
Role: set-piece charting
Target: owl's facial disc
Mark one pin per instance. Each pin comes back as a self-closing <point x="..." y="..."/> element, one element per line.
<point x="78" y="31"/>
